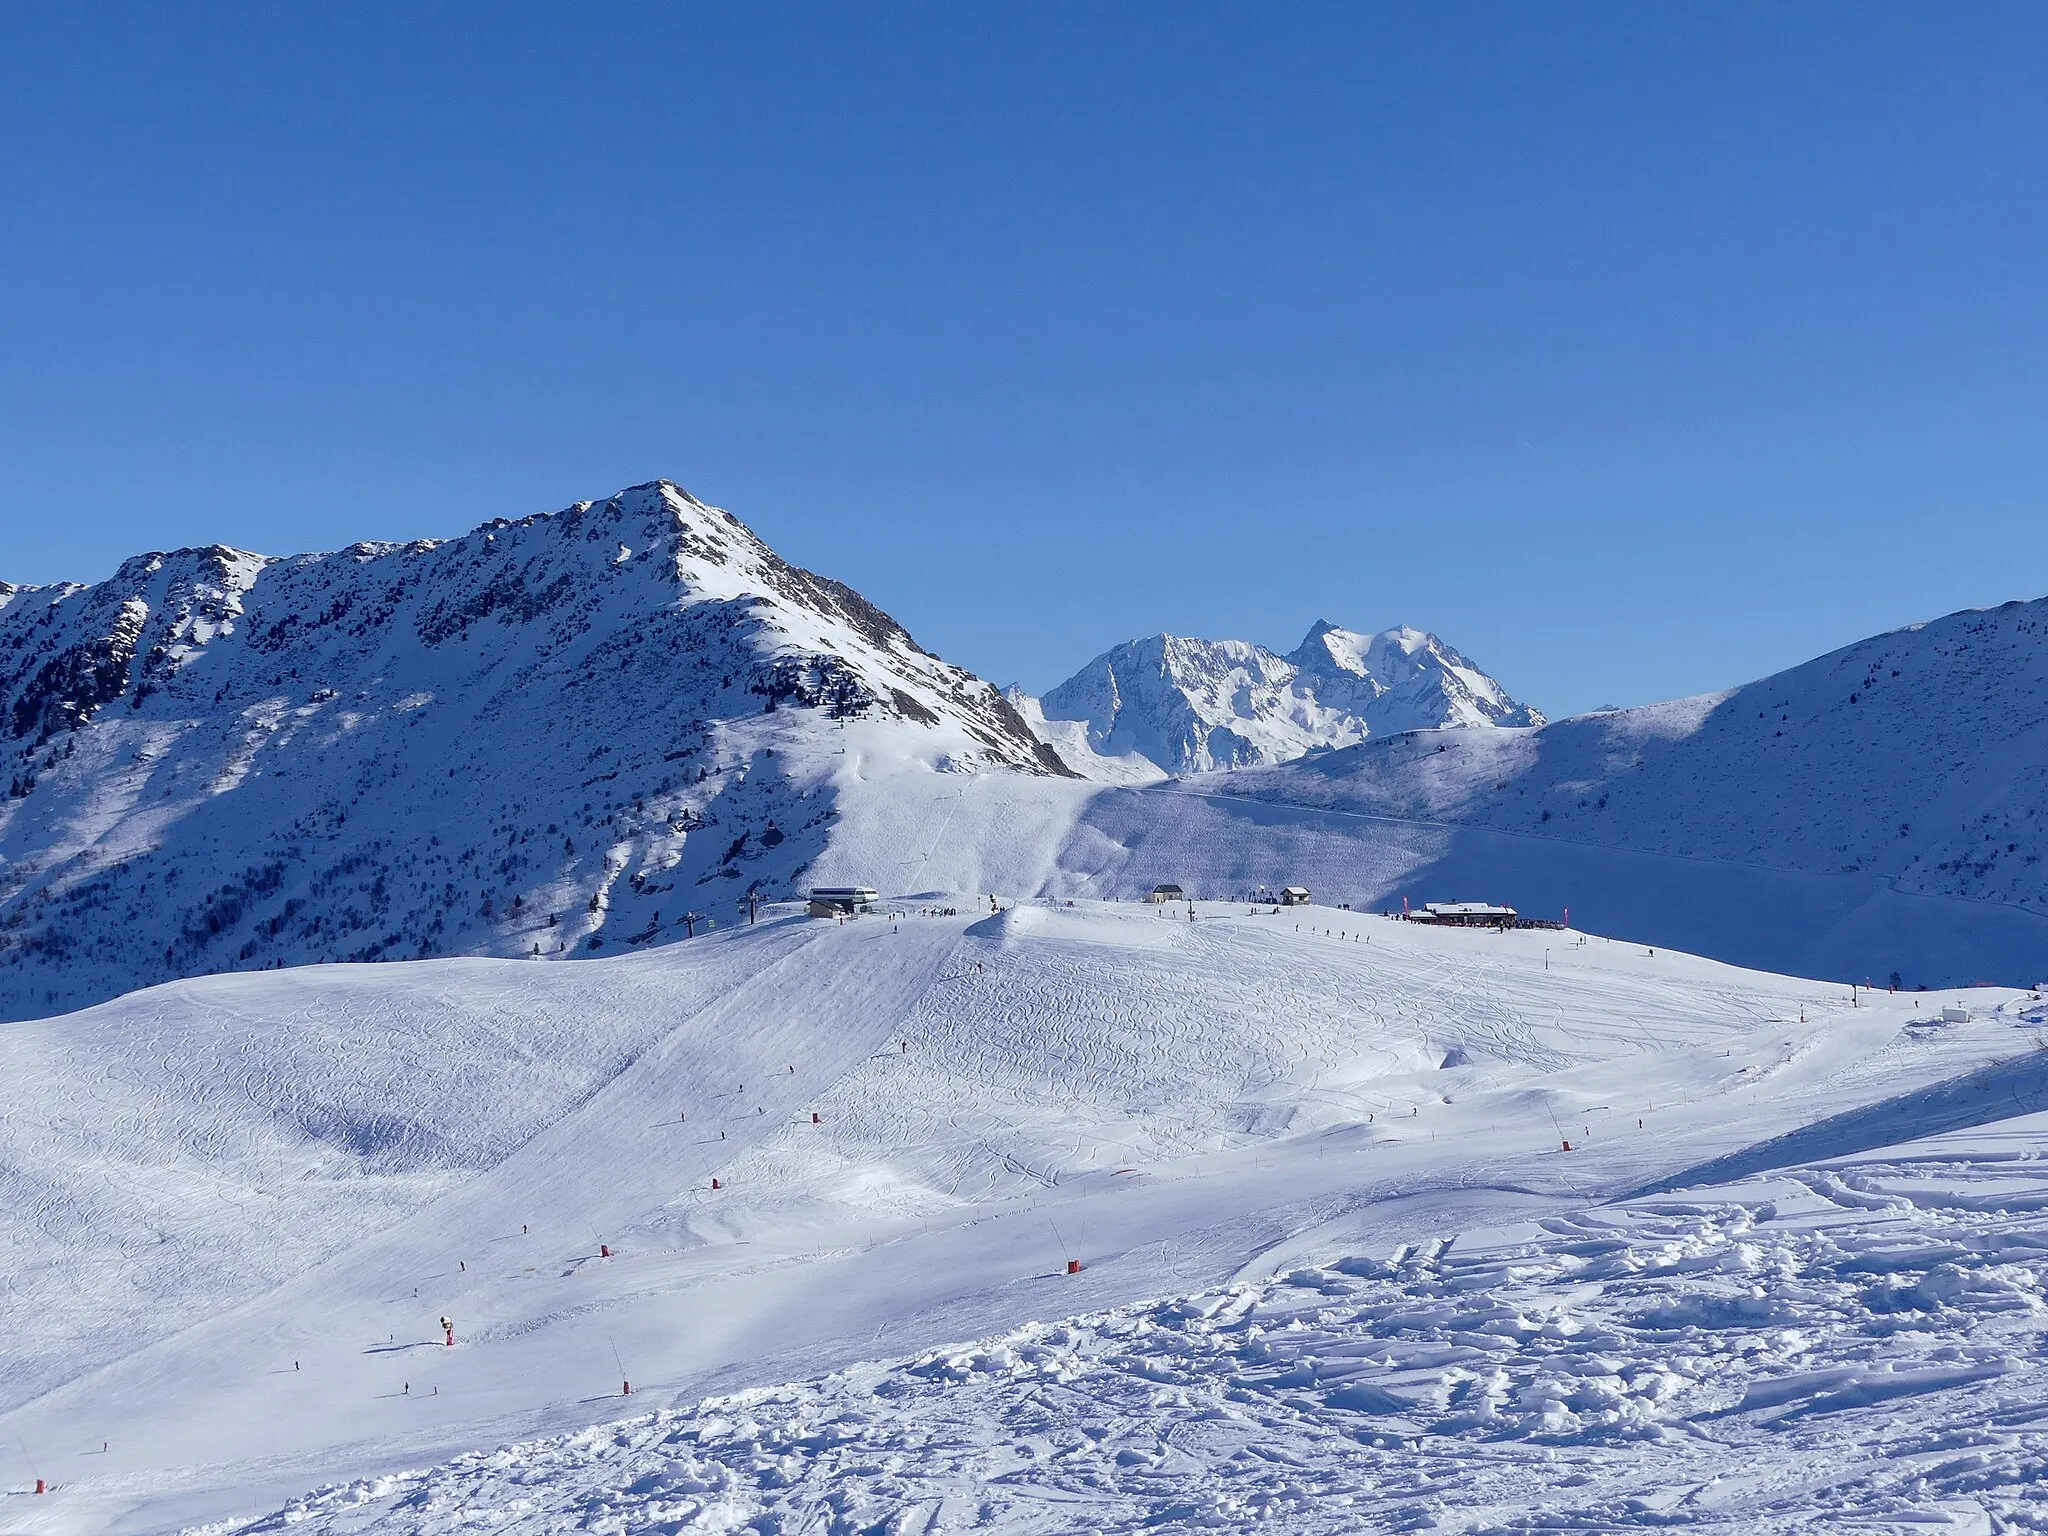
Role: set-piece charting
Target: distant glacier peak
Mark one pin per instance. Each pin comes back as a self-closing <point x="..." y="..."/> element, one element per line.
<point x="1187" y="705"/>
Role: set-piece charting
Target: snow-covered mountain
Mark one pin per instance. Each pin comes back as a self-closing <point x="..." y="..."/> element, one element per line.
<point x="579" y="731"/>
<point x="1188" y="706"/>
<point x="1918" y="756"/>
<point x="560" y="732"/>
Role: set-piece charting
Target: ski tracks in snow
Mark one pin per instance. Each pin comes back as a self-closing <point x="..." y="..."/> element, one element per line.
<point x="1844" y="1348"/>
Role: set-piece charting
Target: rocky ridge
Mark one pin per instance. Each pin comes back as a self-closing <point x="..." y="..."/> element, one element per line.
<point x="586" y="728"/>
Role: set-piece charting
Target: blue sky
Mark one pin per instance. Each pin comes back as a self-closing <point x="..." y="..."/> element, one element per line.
<point x="1636" y="349"/>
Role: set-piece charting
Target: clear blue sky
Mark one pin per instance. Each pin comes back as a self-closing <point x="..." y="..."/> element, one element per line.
<point x="1637" y="349"/>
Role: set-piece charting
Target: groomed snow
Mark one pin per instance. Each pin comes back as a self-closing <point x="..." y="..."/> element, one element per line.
<point x="235" y="1207"/>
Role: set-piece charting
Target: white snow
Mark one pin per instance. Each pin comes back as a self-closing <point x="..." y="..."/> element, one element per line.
<point x="503" y="744"/>
<point x="1072" y="740"/>
<point x="511" y="744"/>
<point x="234" y="1208"/>
<point x="1854" y="1347"/>
<point x="1380" y="1227"/>
<point x="1917" y="759"/>
<point x="1189" y="706"/>
<point x="1067" y="839"/>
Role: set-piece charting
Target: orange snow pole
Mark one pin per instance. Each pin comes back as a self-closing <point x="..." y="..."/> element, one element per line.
<point x="39" y="1485"/>
<point x="1567" y="1146"/>
<point x="1073" y="1266"/>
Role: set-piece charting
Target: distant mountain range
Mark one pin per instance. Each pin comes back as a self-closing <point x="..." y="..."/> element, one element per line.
<point x="603" y="727"/>
<point x="1170" y="705"/>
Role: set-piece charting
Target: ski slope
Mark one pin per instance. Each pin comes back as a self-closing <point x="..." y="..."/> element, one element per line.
<point x="913" y="829"/>
<point x="234" y="1207"/>
<point x="1854" y="1347"/>
<point x="1917" y="759"/>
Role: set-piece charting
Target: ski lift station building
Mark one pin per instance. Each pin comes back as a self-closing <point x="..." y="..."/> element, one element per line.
<point x="1161" y="893"/>
<point x="1294" y="896"/>
<point x="841" y="900"/>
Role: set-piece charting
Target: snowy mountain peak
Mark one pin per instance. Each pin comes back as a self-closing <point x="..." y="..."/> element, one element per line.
<point x="1435" y="683"/>
<point x="553" y="733"/>
<point x="1339" y="647"/>
<point x="1187" y="706"/>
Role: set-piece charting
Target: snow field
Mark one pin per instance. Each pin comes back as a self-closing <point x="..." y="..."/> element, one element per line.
<point x="291" y="1176"/>
<point x="1853" y="1347"/>
<point x="1062" y="839"/>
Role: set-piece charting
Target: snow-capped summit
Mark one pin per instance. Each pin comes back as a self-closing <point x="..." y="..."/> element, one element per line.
<point x="563" y="731"/>
<point x="1412" y="678"/>
<point x="1187" y="706"/>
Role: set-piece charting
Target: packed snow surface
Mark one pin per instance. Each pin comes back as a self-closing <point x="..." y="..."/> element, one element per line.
<point x="234" y="1209"/>
<point x="1230" y="834"/>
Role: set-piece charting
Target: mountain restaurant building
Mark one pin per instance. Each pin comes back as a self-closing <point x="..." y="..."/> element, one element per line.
<point x="1465" y="914"/>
